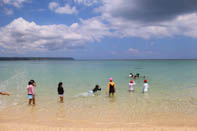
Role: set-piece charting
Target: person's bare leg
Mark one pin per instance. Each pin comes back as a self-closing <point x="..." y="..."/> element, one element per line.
<point x="34" y="101"/>
<point x="112" y="94"/>
<point x="30" y="101"/>
<point x="61" y="99"/>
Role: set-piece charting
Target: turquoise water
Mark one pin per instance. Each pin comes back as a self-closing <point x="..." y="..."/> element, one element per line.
<point x="172" y="93"/>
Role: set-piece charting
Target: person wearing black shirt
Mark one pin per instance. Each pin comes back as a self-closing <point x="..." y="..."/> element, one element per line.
<point x="60" y="91"/>
<point x="96" y="88"/>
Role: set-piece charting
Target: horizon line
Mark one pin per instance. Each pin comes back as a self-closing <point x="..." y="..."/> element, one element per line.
<point x="85" y="59"/>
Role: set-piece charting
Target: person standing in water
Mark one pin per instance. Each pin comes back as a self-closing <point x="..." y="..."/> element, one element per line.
<point x="145" y="89"/>
<point x="60" y="91"/>
<point x="131" y="85"/>
<point x="111" y="89"/>
<point x="34" y="85"/>
<point x="30" y="91"/>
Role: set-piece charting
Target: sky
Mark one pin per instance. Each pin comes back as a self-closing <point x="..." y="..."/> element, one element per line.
<point x="99" y="29"/>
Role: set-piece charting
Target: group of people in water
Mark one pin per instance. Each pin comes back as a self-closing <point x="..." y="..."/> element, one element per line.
<point x="111" y="88"/>
<point x="131" y="75"/>
<point x="132" y="82"/>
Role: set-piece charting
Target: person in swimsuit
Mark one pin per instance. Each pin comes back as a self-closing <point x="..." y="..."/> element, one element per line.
<point x="111" y="89"/>
<point x="30" y="91"/>
<point x="60" y="91"/>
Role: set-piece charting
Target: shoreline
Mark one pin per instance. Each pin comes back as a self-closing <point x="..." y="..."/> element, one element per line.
<point x="13" y="126"/>
<point x="48" y="123"/>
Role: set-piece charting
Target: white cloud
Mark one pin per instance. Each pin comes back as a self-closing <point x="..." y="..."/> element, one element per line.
<point x="133" y="51"/>
<point x="23" y="36"/>
<point x="86" y="2"/>
<point x="62" y="10"/>
<point x="15" y="3"/>
<point x="184" y="24"/>
<point x="148" y="11"/>
<point x="136" y="52"/>
<point x="66" y="10"/>
<point x="53" y="5"/>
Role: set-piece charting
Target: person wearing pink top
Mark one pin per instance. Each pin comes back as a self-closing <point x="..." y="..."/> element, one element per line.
<point x="30" y="91"/>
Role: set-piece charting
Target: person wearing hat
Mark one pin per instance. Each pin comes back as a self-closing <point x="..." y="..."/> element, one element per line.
<point x="131" y="85"/>
<point x="111" y="89"/>
<point x="145" y="89"/>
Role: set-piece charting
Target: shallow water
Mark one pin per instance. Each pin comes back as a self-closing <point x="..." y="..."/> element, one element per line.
<point x="171" y="99"/>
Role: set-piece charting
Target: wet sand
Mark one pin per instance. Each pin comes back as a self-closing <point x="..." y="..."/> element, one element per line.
<point x="21" y="124"/>
<point x="32" y="120"/>
<point x="6" y="126"/>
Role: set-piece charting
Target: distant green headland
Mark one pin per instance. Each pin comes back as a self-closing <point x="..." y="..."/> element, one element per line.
<point x="35" y="58"/>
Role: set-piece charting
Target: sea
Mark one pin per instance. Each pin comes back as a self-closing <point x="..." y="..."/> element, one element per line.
<point x="170" y="101"/>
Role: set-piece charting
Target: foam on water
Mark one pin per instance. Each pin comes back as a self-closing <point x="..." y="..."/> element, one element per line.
<point x="85" y="94"/>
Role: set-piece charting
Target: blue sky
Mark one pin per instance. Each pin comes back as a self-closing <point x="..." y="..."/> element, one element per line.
<point x="99" y="29"/>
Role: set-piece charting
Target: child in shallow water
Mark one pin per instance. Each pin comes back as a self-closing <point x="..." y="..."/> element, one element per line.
<point x="130" y="75"/>
<point x="30" y="91"/>
<point x="131" y="85"/>
<point x="145" y="89"/>
<point x="96" y="88"/>
<point x="60" y="91"/>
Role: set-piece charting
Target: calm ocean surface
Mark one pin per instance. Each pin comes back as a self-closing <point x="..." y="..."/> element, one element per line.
<point x="171" y="100"/>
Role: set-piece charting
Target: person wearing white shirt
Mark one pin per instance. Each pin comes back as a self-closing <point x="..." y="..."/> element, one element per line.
<point x="131" y="85"/>
<point x="145" y="89"/>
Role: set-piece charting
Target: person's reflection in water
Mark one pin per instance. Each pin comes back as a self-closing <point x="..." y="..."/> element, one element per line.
<point x="60" y="114"/>
<point x="112" y="99"/>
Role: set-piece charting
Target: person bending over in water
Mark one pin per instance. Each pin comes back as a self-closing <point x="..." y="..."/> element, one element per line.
<point x="130" y="75"/>
<point x="145" y="89"/>
<point x="60" y="91"/>
<point x="131" y="85"/>
<point x="137" y="75"/>
<point x="96" y="88"/>
<point x="30" y="91"/>
<point x="111" y="89"/>
<point x="4" y="93"/>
